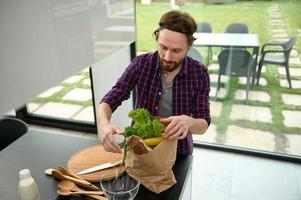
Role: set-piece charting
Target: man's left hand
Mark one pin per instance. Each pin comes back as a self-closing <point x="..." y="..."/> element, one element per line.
<point x="178" y="126"/>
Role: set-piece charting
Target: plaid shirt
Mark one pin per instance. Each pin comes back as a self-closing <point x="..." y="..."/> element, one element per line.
<point x="191" y="89"/>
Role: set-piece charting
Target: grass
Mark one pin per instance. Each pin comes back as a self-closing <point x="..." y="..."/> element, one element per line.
<point x="290" y="10"/>
<point x="218" y="15"/>
<point x="255" y="15"/>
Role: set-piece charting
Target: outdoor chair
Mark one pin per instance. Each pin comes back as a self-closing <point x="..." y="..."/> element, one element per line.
<point x="205" y="27"/>
<point x="195" y="54"/>
<point x="279" y="54"/>
<point x="237" y="28"/>
<point x="10" y="130"/>
<point x="235" y="62"/>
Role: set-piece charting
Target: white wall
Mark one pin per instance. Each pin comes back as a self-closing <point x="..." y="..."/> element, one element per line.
<point x="43" y="42"/>
<point x="105" y="75"/>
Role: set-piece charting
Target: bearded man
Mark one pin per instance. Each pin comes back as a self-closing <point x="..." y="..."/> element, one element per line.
<point x="168" y="83"/>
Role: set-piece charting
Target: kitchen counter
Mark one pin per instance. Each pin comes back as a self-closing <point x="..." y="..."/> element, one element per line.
<point x="39" y="150"/>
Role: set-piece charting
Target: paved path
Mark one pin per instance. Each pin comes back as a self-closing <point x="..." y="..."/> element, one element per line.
<point x="257" y="137"/>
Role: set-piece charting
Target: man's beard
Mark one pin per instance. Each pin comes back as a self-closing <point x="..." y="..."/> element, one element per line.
<point x="169" y="66"/>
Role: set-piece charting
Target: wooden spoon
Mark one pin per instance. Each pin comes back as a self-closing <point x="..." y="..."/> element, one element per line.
<point x="68" y="185"/>
<point x="69" y="192"/>
<point x="49" y="171"/>
<point x="83" y="183"/>
<point x="64" y="171"/>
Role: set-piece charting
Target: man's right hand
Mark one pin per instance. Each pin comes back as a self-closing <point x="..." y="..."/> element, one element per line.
<point x="107" y="138"/>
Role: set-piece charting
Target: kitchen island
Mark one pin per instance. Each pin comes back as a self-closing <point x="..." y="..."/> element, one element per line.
<point x="39" y="150"/>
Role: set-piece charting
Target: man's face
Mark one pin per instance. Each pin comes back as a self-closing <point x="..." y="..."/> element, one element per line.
<point x="172" y="48"/>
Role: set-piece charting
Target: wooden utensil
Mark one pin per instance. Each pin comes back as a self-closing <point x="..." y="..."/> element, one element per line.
<point x="69" y="185"/>
<point x="80" y="182"/>
<point x="93" y="156"/>
<point x="55" y="173"/>
<point x="64" y="171"/>
<point x="69" y="192"/>
<point x="48" y="171"/>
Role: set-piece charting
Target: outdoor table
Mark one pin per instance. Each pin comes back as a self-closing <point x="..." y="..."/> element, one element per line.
<point x="39" y="150"/>
<point x="229" y="40"/>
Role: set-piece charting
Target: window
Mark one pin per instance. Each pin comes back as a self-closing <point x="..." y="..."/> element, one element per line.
<point x="70" y="103"/>
<point x="270" y="122"/>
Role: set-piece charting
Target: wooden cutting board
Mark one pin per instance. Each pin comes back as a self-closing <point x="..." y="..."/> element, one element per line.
<point x="92" y="156"/>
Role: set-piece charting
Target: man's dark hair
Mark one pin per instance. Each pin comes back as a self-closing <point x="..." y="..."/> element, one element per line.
<point x="179" y="22"/>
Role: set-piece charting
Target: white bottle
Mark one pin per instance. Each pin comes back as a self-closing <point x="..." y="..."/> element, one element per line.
<point x="28" y="189"/>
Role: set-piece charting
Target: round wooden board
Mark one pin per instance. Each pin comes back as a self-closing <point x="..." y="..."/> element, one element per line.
<point x="92" y="156"/>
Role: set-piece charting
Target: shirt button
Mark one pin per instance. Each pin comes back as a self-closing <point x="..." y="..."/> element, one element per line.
<point x="156" y="108"/>
<point x="159" y="93"/>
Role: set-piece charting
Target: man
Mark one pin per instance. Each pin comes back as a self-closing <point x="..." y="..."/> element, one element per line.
<point x="168" y="83"/>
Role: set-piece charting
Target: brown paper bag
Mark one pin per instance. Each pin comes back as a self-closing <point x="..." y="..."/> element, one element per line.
<point x="154" y="169"/>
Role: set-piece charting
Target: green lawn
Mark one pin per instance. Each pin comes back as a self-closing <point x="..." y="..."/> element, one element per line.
<point x="291" y="12"/>
<point x="218" y="15"/>
<point x="255" y="15"/>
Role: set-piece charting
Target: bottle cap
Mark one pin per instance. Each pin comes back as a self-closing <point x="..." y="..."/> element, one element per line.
<point x="24" y="174"/>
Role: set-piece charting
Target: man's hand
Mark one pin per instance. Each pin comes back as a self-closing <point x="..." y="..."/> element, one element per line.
<point x="178" y="126"/>
<point x="107" y="138"/>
